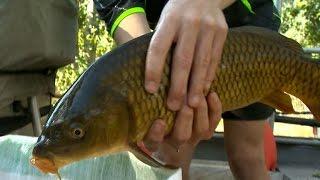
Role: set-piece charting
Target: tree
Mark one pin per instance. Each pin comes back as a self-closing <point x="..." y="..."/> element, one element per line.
<point x="301" y="21"/>
<point x="93" y="41"/>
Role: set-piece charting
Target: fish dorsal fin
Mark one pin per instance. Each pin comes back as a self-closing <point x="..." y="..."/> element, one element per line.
<point x="280" y="101"/>
<point x="271" y="36"/>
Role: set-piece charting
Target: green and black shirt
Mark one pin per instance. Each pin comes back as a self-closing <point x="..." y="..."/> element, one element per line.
<point x="243" y="12"/>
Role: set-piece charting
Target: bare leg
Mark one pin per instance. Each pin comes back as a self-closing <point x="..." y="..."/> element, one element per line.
<point x="245" y="149"/>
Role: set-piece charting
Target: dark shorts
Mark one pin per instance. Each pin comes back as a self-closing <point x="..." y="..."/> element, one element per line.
<point x="265" y="16"/>
<point x="256" y="111"/>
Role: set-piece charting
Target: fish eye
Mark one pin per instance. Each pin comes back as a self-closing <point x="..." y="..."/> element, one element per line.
<point x="77" y="133"/>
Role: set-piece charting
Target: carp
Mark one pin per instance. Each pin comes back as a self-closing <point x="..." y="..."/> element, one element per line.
<point x="107" y="109"/>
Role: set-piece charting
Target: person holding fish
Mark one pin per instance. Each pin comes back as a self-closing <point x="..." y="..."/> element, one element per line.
<point x="198" y="28"/>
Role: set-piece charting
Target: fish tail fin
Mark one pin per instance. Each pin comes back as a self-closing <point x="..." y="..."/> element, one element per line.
<point x="306" y="85"/>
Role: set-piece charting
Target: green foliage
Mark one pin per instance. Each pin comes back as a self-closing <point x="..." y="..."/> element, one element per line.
<point x="93" y="41"/>
<point x="301" y="21"/>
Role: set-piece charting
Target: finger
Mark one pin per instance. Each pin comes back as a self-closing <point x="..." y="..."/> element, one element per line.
<point x="181" y="65"/>
<point x="207" y="85"/>
<point x="155" y="135"/>
<point x="182" y="128"/>
<point x="156" y="56"/>
<point x="215" y="111"/>
<point x="217" y="47"/>
<point x="201" y="124"/>
<point x="200" y="64"/>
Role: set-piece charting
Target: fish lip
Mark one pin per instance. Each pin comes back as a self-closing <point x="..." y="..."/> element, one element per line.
<point x="44" y="164"/>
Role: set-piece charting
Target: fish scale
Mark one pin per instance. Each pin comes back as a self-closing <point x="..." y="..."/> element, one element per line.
<point x="148" y="107"/>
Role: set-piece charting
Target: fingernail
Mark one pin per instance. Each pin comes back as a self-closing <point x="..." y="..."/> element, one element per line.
<point x="158" y="126"/>
<point x="151" y="86"/>
<point x="194" y="101"/>
<point x="208" y="86"/>
<point x="174" y="104"/>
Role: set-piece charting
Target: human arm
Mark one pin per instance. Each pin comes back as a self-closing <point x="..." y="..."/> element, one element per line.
<point x="125" y="19"/>
<point x="131" y="27"/>
<point x="199" y="30"/>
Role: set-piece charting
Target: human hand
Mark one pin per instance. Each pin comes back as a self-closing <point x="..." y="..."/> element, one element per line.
<point x="177" y="148"/>
<point x="199" y="29"/>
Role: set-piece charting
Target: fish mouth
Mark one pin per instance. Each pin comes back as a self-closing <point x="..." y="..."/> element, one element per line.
<point x="45" y="165"/>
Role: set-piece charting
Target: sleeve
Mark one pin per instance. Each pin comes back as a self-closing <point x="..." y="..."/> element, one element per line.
<point x="247" y="4"/>
<point x="114" y="11"/>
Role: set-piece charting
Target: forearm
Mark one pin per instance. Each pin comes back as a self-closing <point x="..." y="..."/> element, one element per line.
<point x="131" y="27"/>
<point x="226" y="3"/>
<point x="136" y="25"/>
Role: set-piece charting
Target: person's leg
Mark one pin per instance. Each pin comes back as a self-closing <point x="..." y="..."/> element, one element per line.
<point x="245" y="149"/>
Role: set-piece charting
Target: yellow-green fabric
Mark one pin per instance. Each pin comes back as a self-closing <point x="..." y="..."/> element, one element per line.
<point x="123" y="15"/>
<point x="247" y="5"/>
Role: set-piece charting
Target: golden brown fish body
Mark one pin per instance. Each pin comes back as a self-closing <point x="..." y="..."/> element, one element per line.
<point x="107" y="109"/>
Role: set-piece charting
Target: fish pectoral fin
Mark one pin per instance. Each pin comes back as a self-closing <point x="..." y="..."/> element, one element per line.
<point x="280" y="101"/>
<point x="144" y="157"/>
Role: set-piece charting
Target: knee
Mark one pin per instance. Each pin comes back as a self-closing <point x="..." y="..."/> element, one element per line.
<point x="246" y="157"/>
<point x="240" y="159"/>
<point x="248" y="165"/>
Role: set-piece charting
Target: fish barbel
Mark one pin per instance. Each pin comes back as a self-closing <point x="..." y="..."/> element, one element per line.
<point x="107" y="109"/>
